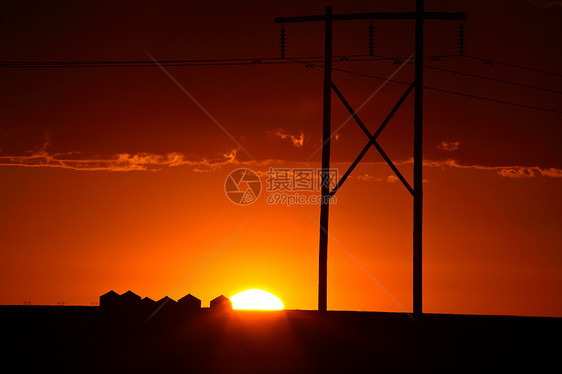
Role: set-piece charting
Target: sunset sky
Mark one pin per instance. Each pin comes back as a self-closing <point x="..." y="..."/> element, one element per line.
<point x="113" y="177"/>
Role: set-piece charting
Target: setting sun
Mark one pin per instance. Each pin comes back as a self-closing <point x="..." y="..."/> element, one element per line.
<point x="256" y="300"/>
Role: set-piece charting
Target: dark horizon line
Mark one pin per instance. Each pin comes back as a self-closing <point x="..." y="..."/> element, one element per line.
<point x="2" y="306"/>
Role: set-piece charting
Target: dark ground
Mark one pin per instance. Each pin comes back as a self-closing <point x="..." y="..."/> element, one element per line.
<point x="85" y="339"/>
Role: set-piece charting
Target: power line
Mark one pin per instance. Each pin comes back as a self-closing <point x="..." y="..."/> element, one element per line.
<point x="149" y="63"/>
<point x="260" y="60"/>
<point x="310" y="61"/>
<point x="519" y="84"/>
<point x="494" y="79"/>
<point x="448" y="91"/>
<point x="249" y="61"/>
<point x="493" y="62"/>
<point x="493" y="100"/>
<point x="194" y="62"/>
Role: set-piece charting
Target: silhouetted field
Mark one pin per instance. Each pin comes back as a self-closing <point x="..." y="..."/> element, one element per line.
<point x="86" y="339"/>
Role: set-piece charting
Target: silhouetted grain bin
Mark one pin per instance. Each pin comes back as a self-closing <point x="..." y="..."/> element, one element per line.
<point x="109" y="300"/>
<point x="129" y="299"/>
<point x="147" y="307"/>
<point x="166" y="306"/>
<point x="221" y="303"/>
<point x="189" y="304"/>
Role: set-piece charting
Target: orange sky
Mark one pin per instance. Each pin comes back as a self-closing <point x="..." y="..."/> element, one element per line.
<point x="491" y="244"/>
<point x="114" y="178"/>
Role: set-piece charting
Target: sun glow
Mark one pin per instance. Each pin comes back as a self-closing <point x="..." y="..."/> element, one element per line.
<point x="256" y="300"/>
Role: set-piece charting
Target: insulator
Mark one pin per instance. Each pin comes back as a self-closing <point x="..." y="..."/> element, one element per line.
<point x="461" y="40"/>
<point x="283" y="42"/>
<point x="371" y="39"/>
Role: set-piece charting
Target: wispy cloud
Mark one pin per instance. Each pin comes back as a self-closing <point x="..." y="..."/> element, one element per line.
<point x="392" y="178"/>
<point x="119" y="162"/>
<point x="517" y="173"/>
<point x="551" y="172"/>
<point x="123" y="162"/>
<point x="372" y="178"/>
<point x="502" y="171"/>
<point x="296" y="140"/>
<point x="449" y="146"/>
<point x="513" y="171"/>
<point x="526" y="172"/>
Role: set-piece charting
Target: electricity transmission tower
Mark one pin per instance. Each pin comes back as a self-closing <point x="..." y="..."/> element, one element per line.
<point x="419" y="16"/>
